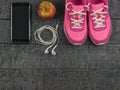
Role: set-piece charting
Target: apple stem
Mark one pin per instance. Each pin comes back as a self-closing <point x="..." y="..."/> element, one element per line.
<point x="46" y="8"/>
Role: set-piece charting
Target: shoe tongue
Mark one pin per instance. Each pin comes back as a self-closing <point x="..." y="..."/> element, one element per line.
<point x="77" y="7"/>
<point x="97" y="6"/>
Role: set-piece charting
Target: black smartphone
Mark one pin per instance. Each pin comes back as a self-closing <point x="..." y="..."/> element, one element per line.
<point x="20" y="22"/>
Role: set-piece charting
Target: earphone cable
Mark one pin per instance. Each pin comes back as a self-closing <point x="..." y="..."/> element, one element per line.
<point x="53" y="43"/>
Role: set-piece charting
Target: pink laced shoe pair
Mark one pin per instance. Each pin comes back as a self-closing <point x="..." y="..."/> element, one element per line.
<point x="87" y="16"/>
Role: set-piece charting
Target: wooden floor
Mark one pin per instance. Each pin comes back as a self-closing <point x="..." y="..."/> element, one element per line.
<point x="86" y="67"/>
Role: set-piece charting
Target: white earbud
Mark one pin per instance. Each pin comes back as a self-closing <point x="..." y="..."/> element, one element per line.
<point x="53" y="43"/>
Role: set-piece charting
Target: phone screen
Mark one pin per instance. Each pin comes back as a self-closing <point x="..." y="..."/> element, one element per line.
<point x="20" y="22"/>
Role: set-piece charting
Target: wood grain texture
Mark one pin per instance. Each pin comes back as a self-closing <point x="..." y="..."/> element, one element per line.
<point x="81" y="80"/>
<point x="59" y="79"/>
<point x="5" y="8"/>
<point x="5" y="30"/>
<point x="86" y="67"/>
<point x="68" y="56"/>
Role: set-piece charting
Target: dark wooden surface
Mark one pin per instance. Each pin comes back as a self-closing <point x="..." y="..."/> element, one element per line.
<point x="86" y="67"/>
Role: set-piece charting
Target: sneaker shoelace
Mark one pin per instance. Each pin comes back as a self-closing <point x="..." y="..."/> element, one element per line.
<point x="87" y="6"/>
<point x="76" y="21"/>
<point x="99" y="21"/>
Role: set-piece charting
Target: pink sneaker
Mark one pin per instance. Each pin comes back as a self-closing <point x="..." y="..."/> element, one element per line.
<point x="99" y="22"/>
<point x="75" y="21"/>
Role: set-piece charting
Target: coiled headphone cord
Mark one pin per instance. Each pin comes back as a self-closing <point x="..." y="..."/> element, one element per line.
<point x="53" y="43"/>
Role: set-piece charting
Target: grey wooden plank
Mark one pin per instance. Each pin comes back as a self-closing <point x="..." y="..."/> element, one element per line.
<point x="81" y="80"/>
<point x="5" y="31"/>
<point x="21" y="79"/>
<point x="6" y="85"/>
<point x="5" y="57"/>
<point x="5" y="8"/>
<point x="84" y="57"/>
<point x="114" y="6"/>
<point x="5" y="80"/>
<point x="59" y="79"/>
<point x="27" y="79"/>
<point x="68" y="56"/>
<point x="5" y="75"/>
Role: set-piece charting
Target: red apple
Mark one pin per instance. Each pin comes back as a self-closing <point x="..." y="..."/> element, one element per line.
<point x="46" y="10"/>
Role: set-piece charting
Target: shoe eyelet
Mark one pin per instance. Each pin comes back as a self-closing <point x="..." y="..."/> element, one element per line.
<point x="67" y="5"/>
